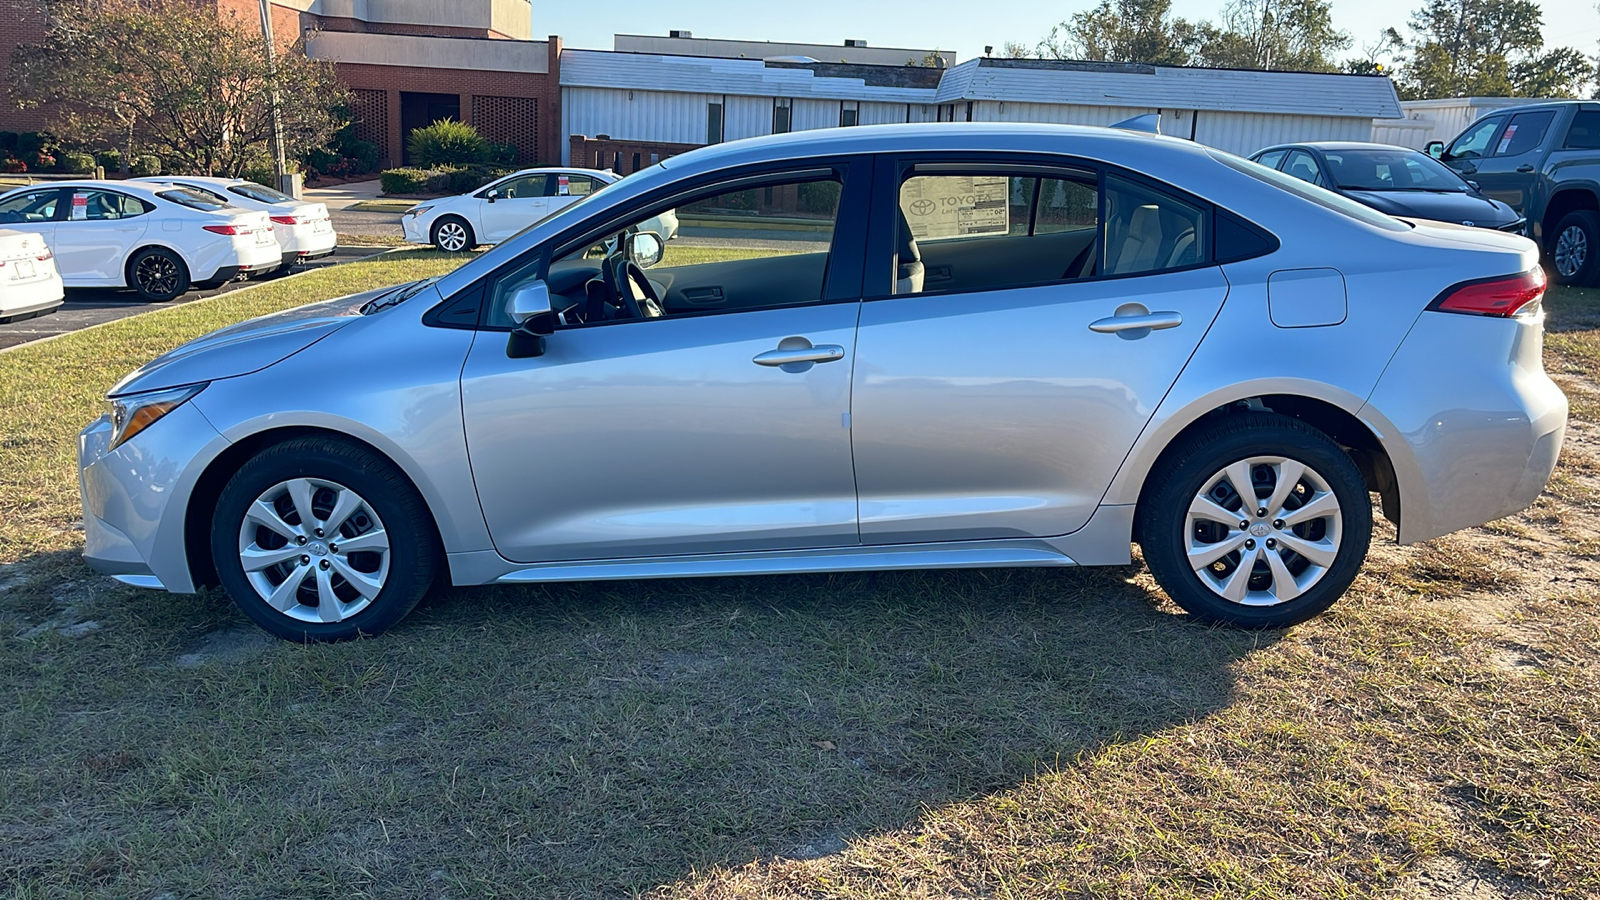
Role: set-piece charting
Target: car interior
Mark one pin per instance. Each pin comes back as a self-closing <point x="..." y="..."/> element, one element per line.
<point x="39" y="206"/>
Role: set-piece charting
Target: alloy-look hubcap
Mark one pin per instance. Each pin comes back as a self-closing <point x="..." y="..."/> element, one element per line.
<point x="314" y="550"/>
<point x="452" y="236"/>
<point x="157" y="274"/>
<point x="1263" y="531"/>
<point x="1572" y="251"/>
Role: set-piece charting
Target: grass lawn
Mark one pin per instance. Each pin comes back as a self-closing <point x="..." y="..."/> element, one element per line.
<point x="1014" y="733"/>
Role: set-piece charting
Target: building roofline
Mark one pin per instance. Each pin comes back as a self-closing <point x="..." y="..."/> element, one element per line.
<point x="1089" y="65"/>
<point x="841" y="46"/>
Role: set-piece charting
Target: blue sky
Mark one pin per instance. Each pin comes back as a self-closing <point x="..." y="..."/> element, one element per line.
<point x="961" y="25"/>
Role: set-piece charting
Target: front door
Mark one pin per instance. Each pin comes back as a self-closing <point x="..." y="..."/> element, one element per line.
<point x="1000" y="387"/>
<point x="518" y="202"/>
<point x="95" y="237"/>
<point x="707" y="411"/>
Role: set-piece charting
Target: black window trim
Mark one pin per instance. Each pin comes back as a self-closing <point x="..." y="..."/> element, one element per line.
<point x="145" y="206"/>
<point x="895" y="167"/>
<point x="1512" y="116"/>
<point x="845" y="256"/>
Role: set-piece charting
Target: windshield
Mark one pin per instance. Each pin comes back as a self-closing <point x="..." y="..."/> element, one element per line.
<point x="193" y="199"/>
<point x="1390" y="170"/>
<point x="259" y="193"/>
<point x="1306" y="191"/>
<point x="397" y="295"/>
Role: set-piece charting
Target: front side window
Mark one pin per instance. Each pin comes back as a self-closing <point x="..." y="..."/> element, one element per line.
<point x="1524" y="133"/>
<point x="95" y="206"/>
<point x="522" y="187"/>
<point x="1475" y="142"/>
<point x="33" y="206"/>
<point x="771" y="248"/>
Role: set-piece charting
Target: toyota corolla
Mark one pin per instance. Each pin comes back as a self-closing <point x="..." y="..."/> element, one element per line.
<point x="967" y="346"/>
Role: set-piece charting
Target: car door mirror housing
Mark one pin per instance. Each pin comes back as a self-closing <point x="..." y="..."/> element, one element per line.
<point x="1434" y="149"/>
<point x="645" y="248"/>
<point x="1474" y="185"/>
<point x="493" y="195"/>
<point x="530" y="309"/>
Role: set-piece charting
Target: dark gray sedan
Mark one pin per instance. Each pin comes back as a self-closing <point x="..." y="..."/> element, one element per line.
<point x="1392" y="180"/>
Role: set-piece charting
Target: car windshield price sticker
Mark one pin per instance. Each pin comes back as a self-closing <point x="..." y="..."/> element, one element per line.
<point x="956" y="205"/>
<point x="563" y="186"/>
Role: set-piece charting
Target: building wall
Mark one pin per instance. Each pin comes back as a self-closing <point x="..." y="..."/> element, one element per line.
<point x="597" y="153"/>
<point x="1245" y="133"/>
<point x="24" y="25"/>
<point x="1437" y="120"/>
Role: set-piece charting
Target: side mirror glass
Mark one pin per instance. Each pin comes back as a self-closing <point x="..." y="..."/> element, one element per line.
<point x="493" y="195"/>
<point x="530" y="309"/>
<point x="1434" y="149"/>
<point x="645" y="248"/>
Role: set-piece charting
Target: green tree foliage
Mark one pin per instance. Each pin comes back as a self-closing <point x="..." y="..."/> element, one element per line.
<point x="1121" y="31"/>
<point x="1251" y="34"/>
<point x="1487" y="48"/>
<point x="447" y="143"/>
<point x="168" y="77"/>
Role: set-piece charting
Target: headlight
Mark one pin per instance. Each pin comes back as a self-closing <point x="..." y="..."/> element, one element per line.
<point x="415" y="211"/>
<point x="136" y="412"/>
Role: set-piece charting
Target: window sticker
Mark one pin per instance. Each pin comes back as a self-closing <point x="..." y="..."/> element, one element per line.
<point x="956" y="206"/>
<point x="80" y="207"/>
<point x="563" y="186"/>
<point x="1505" y="139"/>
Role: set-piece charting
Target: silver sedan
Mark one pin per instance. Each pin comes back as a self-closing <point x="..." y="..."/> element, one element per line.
<point x="936" y="346"/>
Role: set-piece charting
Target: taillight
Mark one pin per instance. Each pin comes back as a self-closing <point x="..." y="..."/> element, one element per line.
<point x="1503" y="296"/>
<point x="48" y="255"/>
<point x="291" y="220"/>
<point x="228" y="229"/>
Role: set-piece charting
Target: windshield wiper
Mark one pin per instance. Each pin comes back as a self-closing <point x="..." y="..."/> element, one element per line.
<point x="398" y="294"/>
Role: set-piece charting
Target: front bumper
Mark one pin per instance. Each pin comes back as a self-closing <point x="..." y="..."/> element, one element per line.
<point x="1472" y="424"/>
<point x="135" y="497"/>
<point x="417" y="229"/>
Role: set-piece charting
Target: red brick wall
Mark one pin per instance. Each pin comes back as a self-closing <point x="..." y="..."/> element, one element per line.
<point x="23" y="24"/>
<point x="601" y="153"/>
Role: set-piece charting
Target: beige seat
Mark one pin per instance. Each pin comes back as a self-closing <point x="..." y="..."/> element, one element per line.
<point x="1140" y="249"/>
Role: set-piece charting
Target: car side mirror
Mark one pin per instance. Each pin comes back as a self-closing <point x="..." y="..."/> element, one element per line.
<point x="1474" y="185"/>
<point x="530" y="309"/>
<point x="645" y="248"/>
<point x="1434" y="149"/>
<point x="493" y="195"/>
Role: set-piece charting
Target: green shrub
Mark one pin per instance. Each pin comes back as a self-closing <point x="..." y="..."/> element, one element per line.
<point x="502" y="155"/>
<point x="361" y="156"/>
<point x="416" y="181"/>
<point x="8" y="143"/>
<point x="111" y="160"/>
<point x="145" y="165"/>
<point x="32" y="144"/>
<point x="470" y="179"/>
<point x="74" y="162"/>
<point x="445" y="143"/>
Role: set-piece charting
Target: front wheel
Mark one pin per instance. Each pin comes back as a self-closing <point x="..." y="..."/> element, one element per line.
<point x="1575" y="249"/>
<point x="319" y="540"/>
<point x="1258" y="520"/>
<point x="158" y="275"/>
<point x="452" y="234"/>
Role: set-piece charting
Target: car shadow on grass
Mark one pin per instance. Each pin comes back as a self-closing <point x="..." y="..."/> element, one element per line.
<point x="592" y="739"/>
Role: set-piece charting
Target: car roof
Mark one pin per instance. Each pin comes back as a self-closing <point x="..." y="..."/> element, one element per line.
<point x="1338" y="145"/>
<point x="561" y="170"/>
<point x="130" y="186"/>
<point x="202" y="179"/>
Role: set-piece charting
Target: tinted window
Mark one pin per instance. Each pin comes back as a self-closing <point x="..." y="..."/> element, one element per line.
<point x="1475" y="141"/>
<point x="1272" y="158"/>
<point x="1524" y="133"/>
<point x="1323" y="198"/>
<point x="1303" y="166"/>
<point x="524" y="187"/>
<point x="260" y="193"/>
<point x="193" y="199"/>
<point x="33" y="206"/>
<point x="104" y="205"/>
<point x="570" y="186"/>
<point x="1584" y="133"/>
<point x="1149" y="231"/>
<point x="1390" y="170"/>
<point x="220" y="198"/>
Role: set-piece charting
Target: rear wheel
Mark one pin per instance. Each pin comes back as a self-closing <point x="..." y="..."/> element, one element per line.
<point x="318" y="540"/>
<point x="158" y="275"/>
<point x="1575" y="249"/>
<point x="1259" y="521"/>
<point x="452" y="234"/>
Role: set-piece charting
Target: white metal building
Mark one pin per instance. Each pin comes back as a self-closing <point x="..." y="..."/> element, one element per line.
<point x="683" y="43"/>
<point x="698" y="100"/>
<point x="1438" y="120"/>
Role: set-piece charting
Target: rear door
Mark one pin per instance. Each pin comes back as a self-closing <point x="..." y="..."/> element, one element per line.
<point x="1000" y="401"/>
<point x="518" y="203"/>
<point x="1510" y="171"/>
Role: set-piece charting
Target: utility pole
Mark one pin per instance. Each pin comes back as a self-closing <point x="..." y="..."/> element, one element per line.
<point x="279" y="166"/>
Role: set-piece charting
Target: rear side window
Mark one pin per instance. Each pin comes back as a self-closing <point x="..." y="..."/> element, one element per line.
<point x="1524" y="133"/>
<point x="1584" y="133"/>
<point x="1150" y="231"/>
<point x="1324" y="198"/>
<point x="193" y="199"/>
<point x="33" y="206"/>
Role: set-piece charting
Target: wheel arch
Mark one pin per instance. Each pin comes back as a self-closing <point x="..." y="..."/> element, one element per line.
<point x="1339" y="424"/>
<point x="1566" y="199"/>
<point x="146" y="244"/>
<point x="202" y="501"/>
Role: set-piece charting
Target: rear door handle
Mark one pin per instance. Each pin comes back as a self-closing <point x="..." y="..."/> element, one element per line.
<point x="1155" y="321"/>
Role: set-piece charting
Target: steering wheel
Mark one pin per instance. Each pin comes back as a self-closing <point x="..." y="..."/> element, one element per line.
<point x="633" y="292"/>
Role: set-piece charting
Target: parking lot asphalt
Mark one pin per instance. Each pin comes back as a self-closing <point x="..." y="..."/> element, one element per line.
<point x="85" y="307"/>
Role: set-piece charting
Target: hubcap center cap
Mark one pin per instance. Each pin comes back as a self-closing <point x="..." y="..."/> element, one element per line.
<point x="1260" y="529"/>
<point x="317" y="548"/>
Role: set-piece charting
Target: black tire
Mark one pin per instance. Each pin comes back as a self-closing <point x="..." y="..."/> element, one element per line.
<point x="1574" y="246"/>
<point x="445" y="233"/>
<point x="414" y="557"/>
<point x="158" y="275"/>
<point x="1186" y="470"/>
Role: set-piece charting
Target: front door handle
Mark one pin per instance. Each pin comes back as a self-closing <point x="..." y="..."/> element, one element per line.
<point x="796" y="354"/>
<point x="1525" y="168"/>
<point x="1155" y="321"/>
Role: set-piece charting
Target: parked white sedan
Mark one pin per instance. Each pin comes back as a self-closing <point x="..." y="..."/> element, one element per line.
<point x="29" y="283"/>
<point x="303" y="228"/>
<point x="158" y="239"/>
<point x="502" y="208"/>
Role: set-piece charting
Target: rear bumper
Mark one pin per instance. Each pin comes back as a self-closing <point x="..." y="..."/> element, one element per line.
<point x="31" y="298"/>
<point x="1471" y="422"/>
<point x="134" y="497"/>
